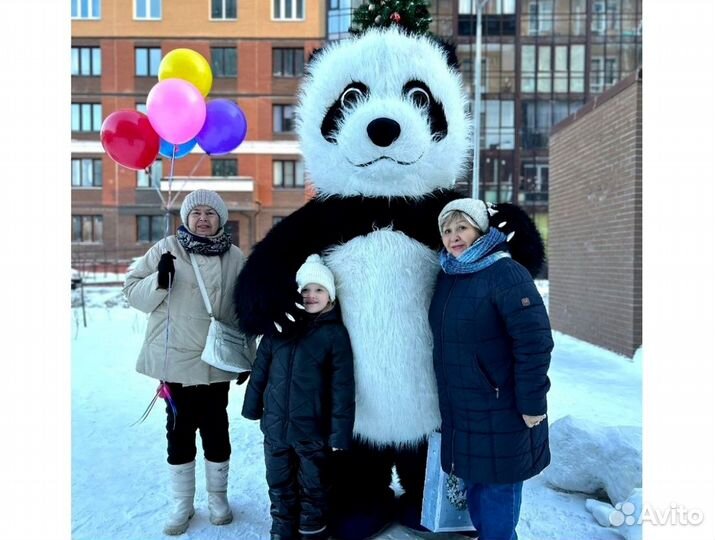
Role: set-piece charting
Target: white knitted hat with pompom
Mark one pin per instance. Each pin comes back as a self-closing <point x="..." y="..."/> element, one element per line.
<point x="314" y="270"/>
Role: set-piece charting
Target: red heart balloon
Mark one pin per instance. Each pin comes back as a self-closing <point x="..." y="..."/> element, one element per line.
<point x="129" y="139"/>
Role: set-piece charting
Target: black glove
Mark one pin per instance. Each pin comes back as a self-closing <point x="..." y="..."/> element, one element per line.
<point x="242" y="377"/>
<point x="166" y="270"/>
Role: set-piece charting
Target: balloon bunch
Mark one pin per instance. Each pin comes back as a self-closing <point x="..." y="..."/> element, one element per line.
<point x="177" y="119"/>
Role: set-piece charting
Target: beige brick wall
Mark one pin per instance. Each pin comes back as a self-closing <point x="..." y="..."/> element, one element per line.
<point x="595" y="209"/>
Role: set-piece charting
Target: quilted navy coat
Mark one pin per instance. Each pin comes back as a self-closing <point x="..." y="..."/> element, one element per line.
<point x="302" y="385"/>
<point x="492" y="348"/>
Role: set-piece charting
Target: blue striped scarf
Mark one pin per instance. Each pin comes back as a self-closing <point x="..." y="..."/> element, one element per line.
<point x="477" y="256"/>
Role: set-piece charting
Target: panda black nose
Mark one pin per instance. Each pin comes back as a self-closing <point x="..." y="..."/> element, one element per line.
<point x="383" y="131"/>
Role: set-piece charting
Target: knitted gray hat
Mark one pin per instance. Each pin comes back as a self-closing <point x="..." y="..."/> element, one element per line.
<point x="474" y="208"/>
<point x="314" y="270"/>
<point x="204" y="197"/>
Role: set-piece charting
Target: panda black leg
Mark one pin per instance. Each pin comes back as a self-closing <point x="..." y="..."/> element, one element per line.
<point x="361" y="503"/>
<point x="410" y="464"/>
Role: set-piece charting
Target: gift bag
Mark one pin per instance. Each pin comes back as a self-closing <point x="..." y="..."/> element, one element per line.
<point x="444" y="502"/>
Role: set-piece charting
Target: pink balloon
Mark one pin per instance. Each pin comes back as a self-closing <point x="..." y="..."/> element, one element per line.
<point x="176" y="110"/>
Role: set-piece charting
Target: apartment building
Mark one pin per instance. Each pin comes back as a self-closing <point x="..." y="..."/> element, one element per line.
<point x="257" y="50"/>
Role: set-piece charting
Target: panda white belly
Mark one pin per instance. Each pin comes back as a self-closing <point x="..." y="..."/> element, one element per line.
<point x="384" y="283"/>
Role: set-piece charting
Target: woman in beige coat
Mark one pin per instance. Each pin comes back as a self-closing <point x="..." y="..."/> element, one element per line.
<point x="199" y="391"/>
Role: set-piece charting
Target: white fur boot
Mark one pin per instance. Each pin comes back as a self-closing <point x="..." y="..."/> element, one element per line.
<point x="216" y="486"/>
<point x="182" y="485"/>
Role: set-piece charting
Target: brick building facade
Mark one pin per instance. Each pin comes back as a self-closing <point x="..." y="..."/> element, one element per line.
<point x="595" y="213"/>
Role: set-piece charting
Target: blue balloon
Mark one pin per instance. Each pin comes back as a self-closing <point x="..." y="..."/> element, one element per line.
<point x="166" y="148"/>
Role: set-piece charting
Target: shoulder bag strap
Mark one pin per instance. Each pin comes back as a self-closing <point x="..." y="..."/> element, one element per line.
<point x="200" y="280"/>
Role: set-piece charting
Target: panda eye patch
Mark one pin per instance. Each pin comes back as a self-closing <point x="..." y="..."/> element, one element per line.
<point x="419" y="97"/>
<point x="351" y="95"/>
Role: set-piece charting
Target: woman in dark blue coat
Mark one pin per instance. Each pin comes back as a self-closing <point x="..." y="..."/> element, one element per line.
<point x="492" y="348"/>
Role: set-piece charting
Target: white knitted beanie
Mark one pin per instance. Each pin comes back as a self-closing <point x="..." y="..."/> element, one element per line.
<point x="314" y="271"/>
<point x="204" y="197"/>
<point x="474" y="208"/>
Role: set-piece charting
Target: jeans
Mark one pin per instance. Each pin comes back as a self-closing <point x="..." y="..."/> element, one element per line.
<point x="494" y="509"/>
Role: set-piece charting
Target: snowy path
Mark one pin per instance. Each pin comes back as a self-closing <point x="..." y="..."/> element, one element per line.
<point x="118" y="471"/>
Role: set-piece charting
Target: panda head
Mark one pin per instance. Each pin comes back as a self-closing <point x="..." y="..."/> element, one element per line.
<point x="383" y="115"/>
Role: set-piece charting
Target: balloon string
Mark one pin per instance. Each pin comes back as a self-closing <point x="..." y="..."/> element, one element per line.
<point x="186" y="179"/>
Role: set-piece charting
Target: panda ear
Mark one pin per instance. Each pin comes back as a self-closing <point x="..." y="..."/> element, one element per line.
<point x="315" y="54"/>
<point x="449" y="49"/>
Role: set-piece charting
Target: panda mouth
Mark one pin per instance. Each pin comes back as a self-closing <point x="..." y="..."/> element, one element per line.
<point x="366" y="164"/>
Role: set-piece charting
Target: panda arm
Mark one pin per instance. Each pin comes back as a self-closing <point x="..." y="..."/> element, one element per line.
<point x="525" y="245"/>
<point x="266" y="288"/>
<point x="418" y="219"/>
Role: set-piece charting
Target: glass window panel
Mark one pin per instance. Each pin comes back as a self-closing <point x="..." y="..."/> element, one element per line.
<point x="216" y="9"/>
<point x="75" y="117"/>
<point x="154" y="61"/>
<point x="277" y="119"/>
<point x="143" y="229"/>
<point x="157" y="171"/>
<point x="98" y="228"/>
<point x="299" y="9"/>
<point x="277" y="173"/>
<point x="578" y="54"/>
<point x="289" y="173"/>
<point x="76" y="173"/>
<point x="96" y="117"/>
<point x="560" y="111"/>
<point x="141" y="107"/>
<point x="97" y="173"/>
<point x="528" y="55"/>
<point x="87" y="173"/>
<point x="544" y="75"/>
<point x="628" y="58"/>
<point x="276" y="9"/>
<point x="230" y="9"/>
<point x="230" y="62"/>
<point x="84" y="8"/>
<point x="507" y="58"/>
<point x="288" y="7"/>
<point x="96" y="61"/>
<point x="141" y="9"/>
<point x="76" y="229"/>
<point x="86" y="228"/>
<point x="156" y="9"/>
<point x="140" y="59"/>
<point x="95" y="8"/>
<point x="299" y="174"/>
<point x="277" y="64"/>
<point x="84" y="61"/>
<point x="75" y="61"/>
<point x="157" y="227"/>
<point x="561" y="69"/>
<point x="86" y="117"/>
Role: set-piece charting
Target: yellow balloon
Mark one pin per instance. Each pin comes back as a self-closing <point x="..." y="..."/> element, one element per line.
<point x="189" y="65"/>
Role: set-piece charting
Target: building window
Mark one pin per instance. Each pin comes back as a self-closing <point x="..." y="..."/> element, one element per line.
<point x="283" y="121"/>
<point x="604" y="73"/>
<point x="604" y="17"/>
<point x="536" y="68"/>
<point x="150" y="228"/>
<point x="538" y="117"/>
<point x="223" y="9"/>
<point x="534" y="187"/>
<point x="541" y="13"/>
<point x="147" y="60"/>
<point x="288" y="174"/>
<point x="86" y="61"/>
<point x="287" y="10"/>
<point x="498" y="122"/>
<point x="147" y="9"/>
<point x="493" y="7"/>
<point x="224" y="167"/>
<point x="86" y="116"/>
<point x="288" y="62"/>
<point x="223" y="61"/>
<point x="86" y="9"/>
<point x="141" y="107"/>
<point x="87" y="172"/>
<point x="233" y="229"/>
<point x="153" y="179"/>
<point x="86" y="229"/>
<point x="339" y="18"/>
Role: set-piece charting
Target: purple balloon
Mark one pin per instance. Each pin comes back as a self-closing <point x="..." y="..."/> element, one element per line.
<point x="224" y="129"/>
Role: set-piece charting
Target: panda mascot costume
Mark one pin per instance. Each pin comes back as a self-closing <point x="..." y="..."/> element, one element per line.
<point x="384" y="132"/>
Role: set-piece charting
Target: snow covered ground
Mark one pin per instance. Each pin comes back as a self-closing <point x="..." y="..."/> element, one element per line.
<point x="119" y="469"/>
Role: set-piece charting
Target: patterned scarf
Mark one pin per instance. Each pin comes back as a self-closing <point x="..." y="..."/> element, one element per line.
<point x="204" y="245"/>
<point x="477" y="256"/>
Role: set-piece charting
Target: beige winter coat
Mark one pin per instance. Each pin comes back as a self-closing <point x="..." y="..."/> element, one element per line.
<point x="189" y="322"/>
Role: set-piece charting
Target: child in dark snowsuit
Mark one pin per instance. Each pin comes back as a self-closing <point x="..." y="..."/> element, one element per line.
<point x="303" y="390"/>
